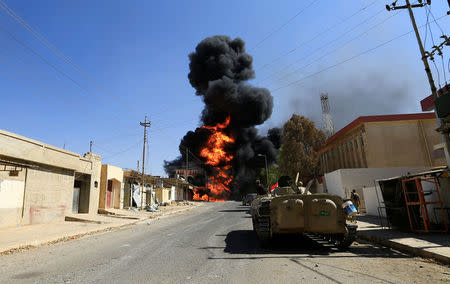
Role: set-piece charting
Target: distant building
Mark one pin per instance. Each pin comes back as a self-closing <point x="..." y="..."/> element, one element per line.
<point x="384" y="141"/>
<point x="111" y="183"/>
<point x="132" y="189"/>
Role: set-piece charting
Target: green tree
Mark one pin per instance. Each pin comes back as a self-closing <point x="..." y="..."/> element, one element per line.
<point x="300" y="145"/>
<point x="274" y="174"/>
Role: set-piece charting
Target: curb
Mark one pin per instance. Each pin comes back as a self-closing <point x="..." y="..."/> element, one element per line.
<point x="404" y="248"/>
<point x="36" y="244"/>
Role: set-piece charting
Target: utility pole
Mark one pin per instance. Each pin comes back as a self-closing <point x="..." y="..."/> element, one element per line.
<point x="138" y="165"/>
<point x="145" y="124"/>
<point x="425" y="55"/>
<point x="90" y="146"/>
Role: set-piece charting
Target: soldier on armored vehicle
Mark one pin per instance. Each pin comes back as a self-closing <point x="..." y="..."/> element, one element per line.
<point x="292" y="209"/>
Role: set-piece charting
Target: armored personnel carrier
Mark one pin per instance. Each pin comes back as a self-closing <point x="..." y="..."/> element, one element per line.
<point x="292" y="209"/>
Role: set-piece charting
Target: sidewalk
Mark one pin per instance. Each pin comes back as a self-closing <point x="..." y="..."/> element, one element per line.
<point x="16" y="239"/>
<point x="431" y="245"/>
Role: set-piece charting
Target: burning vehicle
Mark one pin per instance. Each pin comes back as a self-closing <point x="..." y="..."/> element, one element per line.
<point x="227" y="143"/>
<point x="290" y="209"/>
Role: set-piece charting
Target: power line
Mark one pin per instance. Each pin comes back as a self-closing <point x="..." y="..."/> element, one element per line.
<point x="330" y="28"/>
<point x="57" y="52"/>
<point x="46" y="97"/>
<point x="50" y="64"/>
<point x="123" y="151"/>
<point x="28" y="70"/>
<point x="327" y="44"/>
<point x="337" y="48"/>
<point x="284" y="24"/>
<point x="432" y="15"/>
<point x="349" y="59"/>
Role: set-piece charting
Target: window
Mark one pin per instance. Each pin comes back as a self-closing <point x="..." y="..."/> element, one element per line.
<point x="362" y="140"/>
<point x="356" y="144"/>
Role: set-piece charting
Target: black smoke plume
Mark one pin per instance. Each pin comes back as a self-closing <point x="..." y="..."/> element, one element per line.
<point x="219" y="69"/>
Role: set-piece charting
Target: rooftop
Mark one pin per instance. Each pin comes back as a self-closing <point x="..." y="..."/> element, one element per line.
<point x="379" y="118"/>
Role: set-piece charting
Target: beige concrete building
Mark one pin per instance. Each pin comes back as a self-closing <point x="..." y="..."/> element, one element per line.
<point x="111" y="183"/>
<point x="384" y="141"/>
<point x="163" y="194"/>
<point x="40" y="183"/>
<point x="132" y="189"/>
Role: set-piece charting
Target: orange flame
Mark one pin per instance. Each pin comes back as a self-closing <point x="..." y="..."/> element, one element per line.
<point x="218" y="187"/>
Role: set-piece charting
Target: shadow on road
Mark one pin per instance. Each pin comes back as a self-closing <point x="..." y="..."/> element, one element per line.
<point x="301" y="250"/>
<point x="246" y="242"/>
<point x="234" y="210"/>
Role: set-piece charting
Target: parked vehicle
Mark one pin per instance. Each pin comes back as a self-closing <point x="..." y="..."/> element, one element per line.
<point x="247" y="200"/>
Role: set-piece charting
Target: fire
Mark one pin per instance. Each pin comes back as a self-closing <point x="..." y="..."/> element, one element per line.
<point x="217" y="187"/>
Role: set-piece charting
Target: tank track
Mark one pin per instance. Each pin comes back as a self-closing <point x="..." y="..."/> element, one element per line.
<point x="261" y="224"/>
<point x="343" y="241"/>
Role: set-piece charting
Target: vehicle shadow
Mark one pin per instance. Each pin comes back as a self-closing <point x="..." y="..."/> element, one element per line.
<point x="245" y="242"/>
<point x="302" y="250"/>
<point x="234" y="210"/>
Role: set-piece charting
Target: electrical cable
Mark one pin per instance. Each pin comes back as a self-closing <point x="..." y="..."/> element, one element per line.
<point x="283" y="25"/>
<point x="56" y="51"/>
<point x="443" y="69"/>
<point x="338" y="48"/>
<point x="432" y="15"/>
<point x="27" y="69"/>
<point x="437" y="71"/>
<point x="49" y="64"/>
<point x="123" y="151"/>
<point x="427" y="14"/>
<point x="350" y="58"/>
<point x="318" y="35"/>
<point x="327" y="44"/>
<point x="46" y="97"/>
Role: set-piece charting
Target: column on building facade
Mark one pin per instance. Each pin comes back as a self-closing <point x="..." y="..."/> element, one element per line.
<point x="357" y="152"/>
<point x="352" y="152"/>
<point x="341" y="158"/>
<point x="363" y="149"/>
<point x="344" y="151"/>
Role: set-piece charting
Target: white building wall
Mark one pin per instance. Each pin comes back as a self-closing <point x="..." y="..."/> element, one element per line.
<point x="172" y="193"/>
<point x="334" y="184"/>
<point x="341" y="182"/>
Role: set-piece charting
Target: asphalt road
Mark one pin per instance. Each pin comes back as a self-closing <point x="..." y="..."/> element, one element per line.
<point x="213" y="243"/>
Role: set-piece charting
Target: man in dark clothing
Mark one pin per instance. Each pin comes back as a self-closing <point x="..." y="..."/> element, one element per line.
<point x="260" y="188"/>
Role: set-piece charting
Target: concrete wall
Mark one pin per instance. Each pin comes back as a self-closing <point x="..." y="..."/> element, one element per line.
<point x="179" y="193"/>
<point x="342" y="182"/>
<point x="162" y="194"/>
<point x="11" y="198"/>
<point x="173" y="193"/>
<point x="94" y="182"/>
<point x="334" y="184"/>
<point x="26" y="149"/>
<point x="371" y="200"/>
<point x="406" y="143"/>
<point x="46" y="181"/>
<point x="48" y="195"/>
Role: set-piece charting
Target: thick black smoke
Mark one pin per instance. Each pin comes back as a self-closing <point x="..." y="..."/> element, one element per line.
<point x="274" y="135"/>
<point x="219" y="69"/>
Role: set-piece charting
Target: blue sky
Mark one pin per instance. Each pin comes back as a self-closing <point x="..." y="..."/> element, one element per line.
<point x="132" y="60"/>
